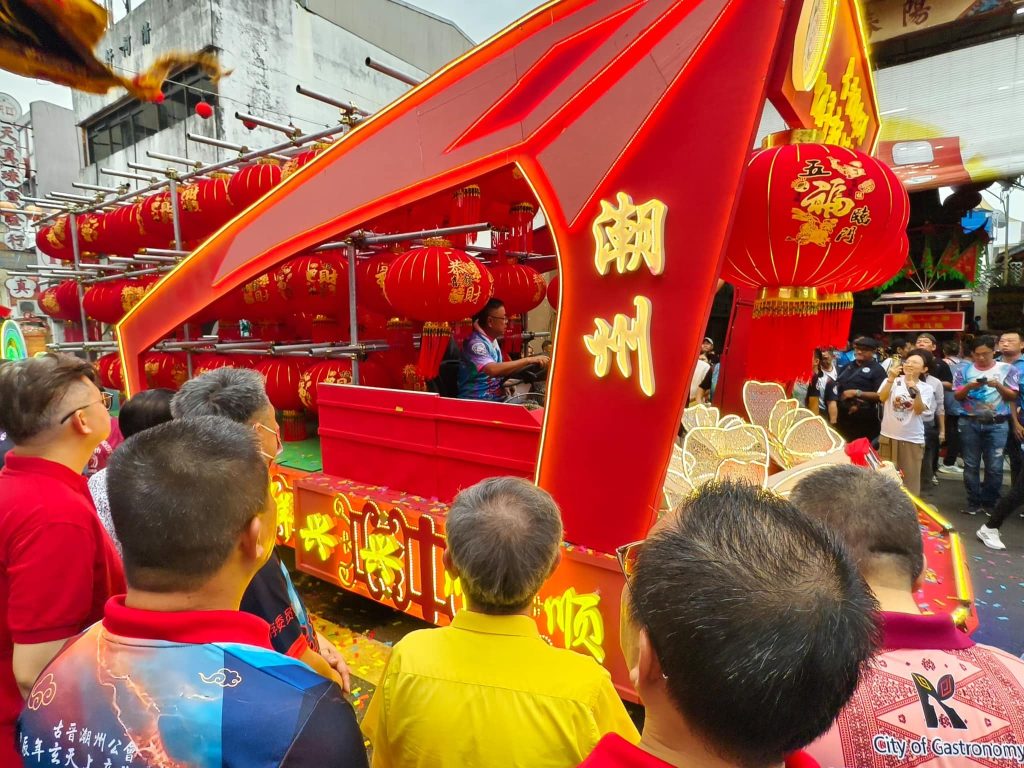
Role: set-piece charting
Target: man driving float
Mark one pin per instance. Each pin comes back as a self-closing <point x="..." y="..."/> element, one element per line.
<point x="481" y="367"/>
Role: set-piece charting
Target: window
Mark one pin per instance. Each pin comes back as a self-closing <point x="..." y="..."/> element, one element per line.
<point x="134" y="120"/>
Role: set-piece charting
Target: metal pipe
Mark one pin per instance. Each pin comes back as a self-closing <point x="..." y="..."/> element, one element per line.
<point x="76" y="250"/>
<point x="152" y="180"/>
<point x="287" y="130"/>
<point x="344" y="106"/>
<point x="97" y="188"/>
<point x="135" y="259"/>
<point x="200" y="139"/>
<point x="172" y="187"/>
<point x="243" y="345"/>
<point x="133" y="273"/>
<point x="384" y="69"/>
<point x="462" y="229"/>
<point x="353" y="315"/>
<point x="83" y="345"/>
<point x="67" y="197"/>
<point x="174" y="159"/>
<point x="169" y="172"/>
<point x="164" y="252"/>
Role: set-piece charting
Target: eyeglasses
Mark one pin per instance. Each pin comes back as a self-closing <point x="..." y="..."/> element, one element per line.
<point x="277" y="437"/>
<point x="627" y="555"/>
<point x="105" y="397"/>
<point x="501" y="318"/>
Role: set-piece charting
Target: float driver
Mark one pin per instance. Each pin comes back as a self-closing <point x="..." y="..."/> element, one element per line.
<point x="481" y="367"/>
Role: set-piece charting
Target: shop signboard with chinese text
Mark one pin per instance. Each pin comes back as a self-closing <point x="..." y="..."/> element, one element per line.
<point x="902" y="322"/>
<point x="823" y="80"/>
<point x="888" y="19"/>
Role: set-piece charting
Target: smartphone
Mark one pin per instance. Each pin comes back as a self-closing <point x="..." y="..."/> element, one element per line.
<point x="983" y="381"/>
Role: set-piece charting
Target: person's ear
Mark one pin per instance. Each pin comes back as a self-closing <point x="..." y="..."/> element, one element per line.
<point x="80" y="423"/>
<point x="449" y="565"/>
<point x="252" y="541"/>
<point x="554" y="565"/>
<point x="647" y="672"/>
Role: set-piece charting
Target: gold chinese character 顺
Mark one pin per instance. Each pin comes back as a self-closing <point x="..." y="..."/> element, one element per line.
<point x="630" y="235"/>
<point x="619" y="339"/>
<point x="579" y="620"/>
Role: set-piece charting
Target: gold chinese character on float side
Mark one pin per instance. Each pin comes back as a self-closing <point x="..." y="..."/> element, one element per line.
<point x="579" y="620"/>
<point x="619" y="339"/>
<point x="630" y="235"/>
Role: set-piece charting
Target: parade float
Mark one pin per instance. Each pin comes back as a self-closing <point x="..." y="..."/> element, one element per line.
<point x="607" y="140"/>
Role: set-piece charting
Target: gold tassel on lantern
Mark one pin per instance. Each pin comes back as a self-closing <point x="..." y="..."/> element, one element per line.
<point x="433" y="344"/>
<point x="784" y="317"/>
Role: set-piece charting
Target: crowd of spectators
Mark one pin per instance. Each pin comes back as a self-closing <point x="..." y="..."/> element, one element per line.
<point x="758" y="631"/>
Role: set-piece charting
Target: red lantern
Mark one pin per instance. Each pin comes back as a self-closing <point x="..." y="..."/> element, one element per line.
<point x="440" y="285"/>
<point x="808" y="215"/>
<point x="157" y="217"/>
<point x="61" y="301"/>
<point x="519" y="287"/>
<point x="109" y="302"/>
<point x="91" y="232"/>
<point x="338" y="371"/>
<point x="110" y="371"/>
<point x="123" y="232"/>
<point x="553" y="289"/>
<point x="302" y="159"/>
<point x="204" y="110"/>
<point x="55" y="241"/>
<point x="283" y="375"/>
<point x="165" y="369"/>
<point x="316" y="283"/>
<point x="207" y="361"/>
<point x="205" y="207"/>
<point x="370" y="283"/>
<point x="252" y="182"/>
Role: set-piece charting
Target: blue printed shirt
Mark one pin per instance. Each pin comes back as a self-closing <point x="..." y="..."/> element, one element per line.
<point x="201" y="689"/>
<point x="477" y="351"/>
<point x="986" y="400"/>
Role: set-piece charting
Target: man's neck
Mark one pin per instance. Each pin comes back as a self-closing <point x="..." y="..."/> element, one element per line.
<point x="673" y="742"/>
<point x="219" y="594"/>
<point x="479" y="329"/>
<point x="74" y="456"/>
<point x="893" y="599"/>
<point x="988" y="367"/>
<point x="1011" y="357"/>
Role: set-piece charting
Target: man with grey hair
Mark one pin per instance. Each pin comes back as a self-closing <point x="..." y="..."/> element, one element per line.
<point x="944" y="686"/>
<point x="240" y="394"/>
<point x="488" y="689"/>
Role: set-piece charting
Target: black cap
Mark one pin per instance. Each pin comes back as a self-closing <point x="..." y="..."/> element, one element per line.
<point x="865" y="342"/>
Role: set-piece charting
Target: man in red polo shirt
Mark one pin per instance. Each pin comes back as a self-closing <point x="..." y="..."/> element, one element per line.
<point x="57" y="563"/>
<point x="932" y="697"/>
<point x="176" y="675"/>
<point x="750" y="628"/>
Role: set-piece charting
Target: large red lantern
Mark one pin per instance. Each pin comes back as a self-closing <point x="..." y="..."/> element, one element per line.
<point x="339" y="371"/>
<point x="809" y="215"/>
<point x="168" y="370"/>
<point x="205" y="207"/>
<point x="519" y="287"/>
<point x="252" y="182"/>
<point x="91" y="232"/>
<point x="302" y="159"/>
<point x="283" y="376"/>
<point x="110" y="371"/>
<point x="61" y="301"/>
<point x="208" y="361"/>
<point x="370" y="283"/>
<point x="439" y="285"/>
<point x="157" y="214"/>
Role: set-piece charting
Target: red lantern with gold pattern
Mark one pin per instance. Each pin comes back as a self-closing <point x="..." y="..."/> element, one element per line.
<point x="302" y="159"/>
<point x="109" y="302"/>
<point x="339" y="371"/>
<point x="439" y="285"/>
<point x="208" y="361"/>
<point x="91" y="232"/>
<point x="165" y="369"/>
<point x="283" y="376"/>
<point x="205" y="207"/>
<point x="252" y="182"/>
<point x="808" y="215"/>
<point x="157" y="216"/>
<point x="519" y="287"/>
<point x="61" y="301"/>
<point x="123" y="232"/>
<point x="553" y="289"/>
<point x="315" y="283"/>
<point x="370" y="283"/>
<point x="110" y="371"/>
<point x="55" y="240"/>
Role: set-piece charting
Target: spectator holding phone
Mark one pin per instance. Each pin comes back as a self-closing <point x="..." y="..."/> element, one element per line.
<point x="985" y="389"/>
<point x="906" y="402"/>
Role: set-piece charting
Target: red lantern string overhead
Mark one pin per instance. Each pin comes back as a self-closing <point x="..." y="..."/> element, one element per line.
<point x="314" y="282"/>
<point x="110" y="371"/>
<point x="165" y="369"/>
<point x="157" y="217"/>
<point x="370" y="283"/>
<point x="283" y="376"/>
<point x="252" y="182"/>
<point x="808" y="215"/>
<point x="303" y="158"/>
<point x="371" y="374"/>
<point x="61" y="301"/>
<point x="205" y="207"/>
<point x="109" y="302"/>
<point x="438" y="285"/>
<point x="553" y="288"/>
<point x="519" y="287"/>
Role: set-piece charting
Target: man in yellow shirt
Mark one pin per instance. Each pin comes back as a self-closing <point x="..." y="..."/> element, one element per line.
<point x="488" y="689"/>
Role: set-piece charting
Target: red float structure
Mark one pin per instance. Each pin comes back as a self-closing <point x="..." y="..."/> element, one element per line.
<point x="588" y="113"/>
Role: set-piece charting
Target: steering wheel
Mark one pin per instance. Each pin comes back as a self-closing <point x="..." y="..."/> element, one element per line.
<point x="531" y="374"/>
